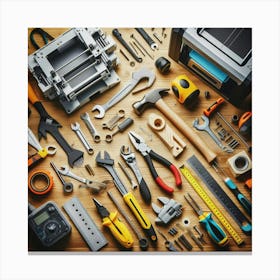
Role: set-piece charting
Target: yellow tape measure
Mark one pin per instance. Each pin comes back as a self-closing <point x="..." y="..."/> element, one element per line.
<point x="211" y="205"/>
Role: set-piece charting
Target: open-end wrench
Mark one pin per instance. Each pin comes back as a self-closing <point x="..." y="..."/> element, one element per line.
<point x="86" y="118"/>
<point x="67" y="186"/>
<point x="143" y="73"/>
<point x="114" y="121"/>
<point x="64" y="170"/>
<point x="205" y="127"/>
<point x="76" y="127"/>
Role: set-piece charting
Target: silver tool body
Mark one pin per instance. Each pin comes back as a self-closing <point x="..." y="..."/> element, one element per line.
<point x="206" y="127"/>
<point x="130" y="160"/>
<point x="76" y="127"/>
<point x="169" y="211"/>
<point x="121" y="127"/>
<point x="143" y="73"/>
<point x="130" y="179"/>
<point x="67" y="186"/>
<point x="86" y="118"/>
<point x="168" y="244"/>
<point x="75" y="67"/>
<point x="64" y="170"/>
<point x="114" y="120"/>
<point x="85" y="225"/>
<point x="33" y="141"/>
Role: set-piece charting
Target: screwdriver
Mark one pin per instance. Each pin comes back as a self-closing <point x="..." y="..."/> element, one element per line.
<point x="117" y="228"/>
<point x="246" y="204"/>
<point x="215" y="232"/>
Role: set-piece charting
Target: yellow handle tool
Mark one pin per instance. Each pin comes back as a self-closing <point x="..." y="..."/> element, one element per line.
<point x="117" y="228"/>
<point x="138" y="212"/>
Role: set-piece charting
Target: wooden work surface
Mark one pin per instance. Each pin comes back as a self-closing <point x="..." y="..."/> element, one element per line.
<point x="75" y="242"/>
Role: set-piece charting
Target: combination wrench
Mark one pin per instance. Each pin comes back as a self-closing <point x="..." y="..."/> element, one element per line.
<point x="86" y="118"/>
<point x="76" y="127"/>
<point x="205" y="127"/>
<point x="96" y="186"/>
<point x="143" y="73"/>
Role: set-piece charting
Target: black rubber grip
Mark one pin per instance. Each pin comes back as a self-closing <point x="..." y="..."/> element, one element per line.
<point x="145" y="192"/>
<point x="145" y="36"/>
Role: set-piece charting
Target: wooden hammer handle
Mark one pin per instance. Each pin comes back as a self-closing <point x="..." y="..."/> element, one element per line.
<point x="186" y="130"/>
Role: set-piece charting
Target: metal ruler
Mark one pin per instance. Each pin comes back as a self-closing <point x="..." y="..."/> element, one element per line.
<point x="220" y="194"/>
<point x="84" y="223"/>
<point x="211" y="205"/>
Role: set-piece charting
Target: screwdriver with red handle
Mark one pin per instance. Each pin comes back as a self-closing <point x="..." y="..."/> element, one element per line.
<point x="148" y="155"/>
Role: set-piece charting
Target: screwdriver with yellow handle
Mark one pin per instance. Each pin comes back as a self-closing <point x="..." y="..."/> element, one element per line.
<point x="107" y="162"/>
<point x="117" y="228"/>
<point x="215" y="232"/>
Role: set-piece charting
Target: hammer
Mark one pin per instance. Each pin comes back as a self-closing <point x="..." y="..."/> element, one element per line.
<point x="154" y="98"/>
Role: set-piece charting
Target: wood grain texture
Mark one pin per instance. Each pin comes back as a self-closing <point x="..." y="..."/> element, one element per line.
<point x="75" y="242"/>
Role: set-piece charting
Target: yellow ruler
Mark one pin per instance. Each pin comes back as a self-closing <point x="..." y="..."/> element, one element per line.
<point x="211" y="205"/>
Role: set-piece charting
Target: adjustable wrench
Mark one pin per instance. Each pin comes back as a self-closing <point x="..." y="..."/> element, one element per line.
<point x="130" y="160"/>
<point x="86" y="118"/>
<point x="143" y="73"/>
<point x="205" y="127"/>
<point x="76" y="127"/>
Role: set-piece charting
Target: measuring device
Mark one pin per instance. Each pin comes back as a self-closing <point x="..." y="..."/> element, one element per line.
<point x="216" y="189"/>
<point x="211" y="205"/>
<point x="48" y="223"/>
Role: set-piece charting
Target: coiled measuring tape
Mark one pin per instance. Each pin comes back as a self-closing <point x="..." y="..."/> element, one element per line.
<point x="211" y="205"/>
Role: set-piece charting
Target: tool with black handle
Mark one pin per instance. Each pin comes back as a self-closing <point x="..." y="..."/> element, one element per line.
<point x="50" y="125"/>
<point x="107" y="162"/>
<point x="147" y="38"/>
<point x="130" y="160"/>
<point x="148" y="154"/>
<point x="119" y="37"/>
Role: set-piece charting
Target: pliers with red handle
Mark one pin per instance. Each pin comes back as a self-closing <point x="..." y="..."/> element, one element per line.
<point x="148" y="155"/>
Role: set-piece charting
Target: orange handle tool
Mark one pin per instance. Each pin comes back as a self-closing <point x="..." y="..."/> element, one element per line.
<point x="213" y="107"/>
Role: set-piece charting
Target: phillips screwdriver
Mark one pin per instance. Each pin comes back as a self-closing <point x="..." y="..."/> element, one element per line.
<point x="215" y="232"/>
<point x="245" y="203"/>
<point x="117" y="228"/>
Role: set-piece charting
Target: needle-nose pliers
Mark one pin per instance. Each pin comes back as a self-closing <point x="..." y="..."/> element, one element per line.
<point x="148" y="155"/>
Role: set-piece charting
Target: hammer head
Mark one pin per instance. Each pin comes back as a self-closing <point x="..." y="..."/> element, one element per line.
<point x="149" y="100"/>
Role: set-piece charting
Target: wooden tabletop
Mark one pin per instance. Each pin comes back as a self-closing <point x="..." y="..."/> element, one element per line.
<point x="75" y="242"/>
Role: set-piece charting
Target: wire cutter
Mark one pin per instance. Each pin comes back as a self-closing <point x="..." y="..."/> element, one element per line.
<point x="148" y="155"/>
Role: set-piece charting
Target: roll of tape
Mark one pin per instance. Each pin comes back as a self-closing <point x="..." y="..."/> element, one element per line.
<point x="40" y="182"/>
<point x="240" y="164"/>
